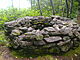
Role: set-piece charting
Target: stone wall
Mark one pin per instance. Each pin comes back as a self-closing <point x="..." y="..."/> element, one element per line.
<point x="41" y="32"/>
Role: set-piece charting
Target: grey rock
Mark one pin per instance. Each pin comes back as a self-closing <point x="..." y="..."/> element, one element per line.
<point x="79" y="29"/>
<point x="49" y="29"/>
<point x="66" y="30"/>
<point x="15" y="32"/>
<point x="25" y="43"/>
<point x="30" y="29"/>
<point x="39" y="42"/>
<point x="23" y="28"/>
<point x="63" y="43"/>
<point x="53" y="39"/>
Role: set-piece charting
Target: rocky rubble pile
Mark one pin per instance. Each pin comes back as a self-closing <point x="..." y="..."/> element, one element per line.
<point x="43" y="32"/>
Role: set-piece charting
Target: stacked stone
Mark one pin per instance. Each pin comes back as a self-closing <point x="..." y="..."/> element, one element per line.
<point x="43" y="32"/>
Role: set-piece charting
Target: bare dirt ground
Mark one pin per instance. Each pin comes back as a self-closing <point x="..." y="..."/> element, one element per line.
<point x="5" y="55"/>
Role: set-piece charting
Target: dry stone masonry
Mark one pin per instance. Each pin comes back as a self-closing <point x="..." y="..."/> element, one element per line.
<point x="53" y="32"/>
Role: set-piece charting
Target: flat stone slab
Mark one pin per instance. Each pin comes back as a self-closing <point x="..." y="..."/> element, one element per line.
<point x="49" y="29"/>
<point x="79" y="29"/>
<point x="39" y="43"/>
<point x="52" y="39"/>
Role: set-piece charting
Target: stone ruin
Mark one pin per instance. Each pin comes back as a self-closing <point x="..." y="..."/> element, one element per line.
<point x="53" y="32"/>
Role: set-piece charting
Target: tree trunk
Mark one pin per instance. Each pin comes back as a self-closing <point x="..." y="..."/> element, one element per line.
<point x="63" y="11"/>
<point x="52" y="7"/>
<point x="78" y="16"/>
<point x="19" y="4"/>
<point x="67" y="8"/>
<point x="39" y="7"/>
<point x="34" y="3"/>
<point x="71" y="6"/>
<point x="58" y="7"/>
<point x="12" y="3"/>
<point x="31" y="4"/>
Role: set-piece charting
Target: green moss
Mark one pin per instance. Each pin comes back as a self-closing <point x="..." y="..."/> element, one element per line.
<point x="39" y="37"/>
<point x="73" y="52"/>
<point x="2" y="38"/>
<point x="38" y="53"/>
<point x="53" y="50"/>
<point x="47" y="57"/>
<point x="46" y="23"/>
<point x="16" y="32"/>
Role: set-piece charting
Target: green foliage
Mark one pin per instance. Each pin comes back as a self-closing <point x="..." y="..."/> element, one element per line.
<point x="10" y="14"/>
<point x="2" y="38"/>
<point x="59" y="7"/>
<point x="73" y="52"/>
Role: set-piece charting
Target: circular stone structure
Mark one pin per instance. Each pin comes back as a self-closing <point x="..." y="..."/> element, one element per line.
<point x="41" y="32"/>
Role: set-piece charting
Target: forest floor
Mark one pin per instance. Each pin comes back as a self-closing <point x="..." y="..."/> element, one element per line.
<point x="7" y="54"/>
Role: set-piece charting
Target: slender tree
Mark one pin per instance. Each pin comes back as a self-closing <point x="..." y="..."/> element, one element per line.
<point x="59" y="1"/>
<point x="63" y="12"/>
<point x="78" y="16"/>
<point x="62" y="4"/>
<point x="39" y="7"/>
<point x="34" y="2"/>
<point x="31" y="4"/>
<point x="19" y="4"/>
<point x="12" y="2"/>
<point x="62" y="8"/>
<point x="71" y="7"/>
<point x="67" y="8"/>
<point x="51" y="1"/>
